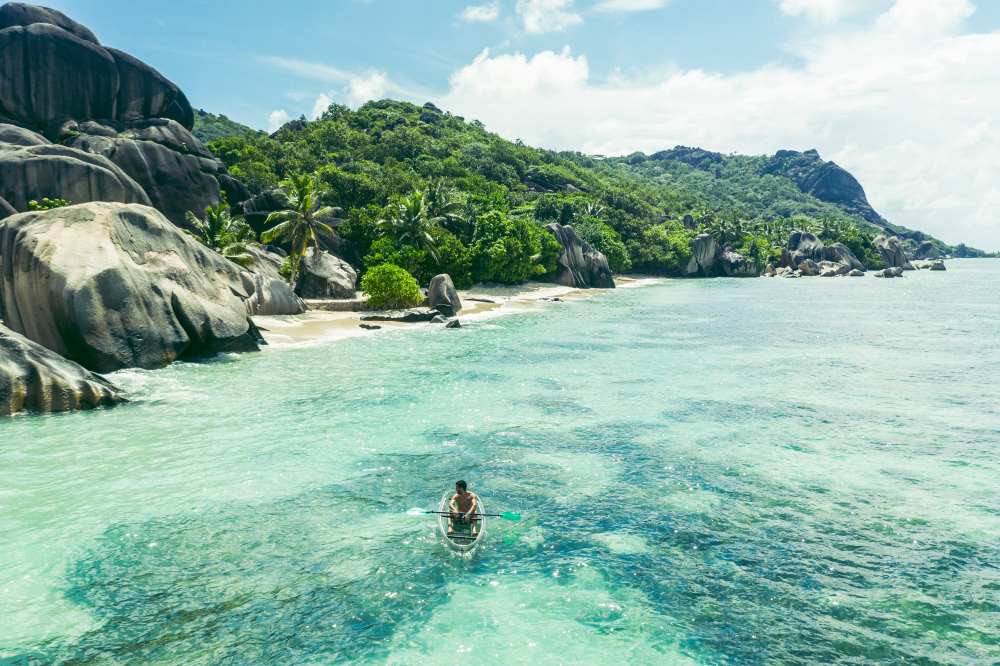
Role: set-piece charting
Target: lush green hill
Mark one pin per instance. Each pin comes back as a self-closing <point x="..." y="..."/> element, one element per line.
<point x="640" y="210"/>
<point x="209" y="126"/>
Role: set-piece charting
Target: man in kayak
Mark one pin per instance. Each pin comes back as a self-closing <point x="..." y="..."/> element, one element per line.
<point x="463" y="505"/>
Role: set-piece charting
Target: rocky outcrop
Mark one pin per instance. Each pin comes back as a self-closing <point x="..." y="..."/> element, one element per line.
<point x="36" y="379"/>
<point x="12" y="135"/>
<point x="272" y="295"/>
<point x="856" y="273"/>
<point x="54" y="69"/>
<point x="172" y="167"/>
<point x="824" y="180"/>
<point x="928" y="250"/>
<point x="323" y="275"/>
<point x="113" y="285"/>
<point x="56" y="78"/>
<point x="578" y="264"/>
<point x="704" y="252"/>
<point x="442" y="295"/>
<point x="734" y="264"/>
<point x="894" y="272"/>
<point x="935" y="265"/>
<point x="19" y="13"/>
<point x="832" y="269"/>
<point x="841" y="254"/>
<point x="410" y="316"/>
<point x="802" y="245"/>
<point x="808" y="267"/>
<point x="805" y="248"/>
<point x="48" y="170"/>
<point x="891" y="250"/>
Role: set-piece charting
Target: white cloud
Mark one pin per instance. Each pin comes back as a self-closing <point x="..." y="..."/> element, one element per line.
<point x="629" y="5"/>
<point x="540" y="16"/>
<point x="828" y="11"/>
<point x="482" y="13"/>
<point x="373" y="85"/>
<point x="276" y="119"/>
<point x="321" y="104"/>
<point x="905" y="104"/>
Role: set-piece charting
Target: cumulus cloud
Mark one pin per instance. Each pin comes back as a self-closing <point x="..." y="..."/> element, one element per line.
<point x="540" y="16"/>
<point x="373" y="85"/>
<point x="827" y="11"/>
<point x="481" y="13"/>
<point x="629" y="5"/>
<point x="321" y="104"/>
<point x="276" y="119"/>
<point x="904" y="103"/>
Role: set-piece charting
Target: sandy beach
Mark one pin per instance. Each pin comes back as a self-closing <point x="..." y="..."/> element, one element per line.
<point x="478" y="303"/>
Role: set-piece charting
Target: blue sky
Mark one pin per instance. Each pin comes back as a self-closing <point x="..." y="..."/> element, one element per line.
<point x="894" y="90"/>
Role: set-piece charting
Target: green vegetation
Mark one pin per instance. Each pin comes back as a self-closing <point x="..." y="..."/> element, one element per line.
<point x="301" y="223"/>
<point x="389" y="286"/>
<point x="224" y="233"/>
<point x="47" y="204"/>
<point x="209" y="127"/>
<point x="430" y="192"/>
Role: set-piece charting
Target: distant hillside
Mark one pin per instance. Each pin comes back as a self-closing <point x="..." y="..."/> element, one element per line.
<point x="209" y="126"/>
<point x="640" y="210"/>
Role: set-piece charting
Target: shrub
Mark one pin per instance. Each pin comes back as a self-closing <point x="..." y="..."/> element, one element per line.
<point x="389" y="286"/>
<point x="511" y="249"/>
<point x="664" y="248"/>
<point x="47" y="203"/>
<point x="605" y="239"/>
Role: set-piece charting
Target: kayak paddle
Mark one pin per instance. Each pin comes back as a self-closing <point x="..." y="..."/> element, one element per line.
<point x="506" y="515"/>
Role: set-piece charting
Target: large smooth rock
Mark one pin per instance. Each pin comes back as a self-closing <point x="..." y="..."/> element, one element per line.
<point x="579" y="264"/>
<point x="272" y="295"/>
<point x="112" y="286"/>
<point x="36" y="379"/>
<point x="19" y="13"/>
<point x="808" y="267"/>
<point x="54" y="171"/>
<point x="891" y="250"/>
<point x="704" y="253"/>
<point x="936" y="265"/>
<point x="802" y="245"/>
<point x="175" y="182"/>
<point x="734" y="264"/>
<point x="52" y="69"/>
<point x="841" y="254"/>
<point x="442" y="295"/>
<point x="323" y="275"/>
<point x="145" y="93"/>
<point x="19" y="136"/>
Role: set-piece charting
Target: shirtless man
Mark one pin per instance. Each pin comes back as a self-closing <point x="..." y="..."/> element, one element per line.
<point x="463" y="505"/>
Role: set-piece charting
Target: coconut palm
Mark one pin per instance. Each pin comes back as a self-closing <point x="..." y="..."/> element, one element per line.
<point x="224" y="233"/>
<point x="410" y="223"/>
<point x="301" y="223"/>
<point x="445" y="207"/>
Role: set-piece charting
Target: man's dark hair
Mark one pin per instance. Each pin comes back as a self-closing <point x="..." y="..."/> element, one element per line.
<point x="461" y="484"/>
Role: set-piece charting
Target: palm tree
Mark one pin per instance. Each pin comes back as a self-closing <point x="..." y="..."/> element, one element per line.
<point x="222" y="232"/>
<point x="410" y="222"/>
<point x="301" y="222"/>
<point x="443" y="205"/>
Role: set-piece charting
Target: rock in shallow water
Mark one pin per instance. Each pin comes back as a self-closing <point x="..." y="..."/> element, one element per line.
<point x="114" y="286"/>
<point x="409" y="316"/>
<point x="35" y="379"/>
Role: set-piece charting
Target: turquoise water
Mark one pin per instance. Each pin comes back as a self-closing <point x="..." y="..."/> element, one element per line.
<point x="717" y="471"/>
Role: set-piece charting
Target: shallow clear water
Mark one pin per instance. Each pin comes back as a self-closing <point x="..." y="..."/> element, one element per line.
<point x="723" y="471"/>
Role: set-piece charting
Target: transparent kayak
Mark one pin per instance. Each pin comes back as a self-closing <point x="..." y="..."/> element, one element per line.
<point x="462" y="537"/>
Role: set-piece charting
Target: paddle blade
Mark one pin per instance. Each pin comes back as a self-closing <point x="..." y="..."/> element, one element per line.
<point x="513" y="517"/>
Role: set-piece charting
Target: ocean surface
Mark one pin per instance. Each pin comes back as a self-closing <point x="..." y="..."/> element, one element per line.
<point x="710" y="472"/>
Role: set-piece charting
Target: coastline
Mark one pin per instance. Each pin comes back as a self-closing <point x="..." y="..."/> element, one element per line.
<point x="478" y="303"/>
